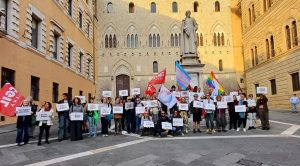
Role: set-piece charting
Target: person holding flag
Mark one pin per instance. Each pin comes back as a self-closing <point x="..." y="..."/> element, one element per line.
<point x="182" y="77"/>
<point x="214" y="84"/>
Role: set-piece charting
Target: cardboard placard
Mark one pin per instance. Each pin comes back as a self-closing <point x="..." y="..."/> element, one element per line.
<point x="184" y="107"/>
<point x="140" y="110"/>
<point x="197" y="104"/>
<point x="93" y="107"/>
<point x="123" y="93"/>
<point x="40" y="116"/>
<point x="210" y="106"/>
<point x="23" y="111"/>
<point x="234" y="93"/>
<point x="166" y="125"/>
<point x="222" y="105"/>
<point x="176" y="94"/>
<point x="76" y="116"/>
<point x="82" y="99"/>
<point x="184" y="93"/>
<point x="148" y="124"/>
<point x="240" y="108"/>
<point x="62" y="107"/>
<point x="117" y="110"/>
<point x="136" y="91"/>
<point x="228" y="99"/>
<point x="177" y="121"/>
<point x="129" y="105"/>
<point x="251" y="103"/>
<point x="106" y="93"/>
<point x="262" y="90"/>
<point x="105" y="110"/>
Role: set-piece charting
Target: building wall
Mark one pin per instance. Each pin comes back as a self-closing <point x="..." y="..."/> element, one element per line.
<point x="285" y="62"/>
<point x="137" y="62"/>
<point x="17" y="53"/>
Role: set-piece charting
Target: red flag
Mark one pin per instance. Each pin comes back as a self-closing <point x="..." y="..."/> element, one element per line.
<point x="150" y="90"/>
<point x="10" y="98"/>
<point x="159" y="78"/>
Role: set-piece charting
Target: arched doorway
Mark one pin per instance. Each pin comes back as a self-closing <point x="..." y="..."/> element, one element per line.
<point x="122" y="83"/>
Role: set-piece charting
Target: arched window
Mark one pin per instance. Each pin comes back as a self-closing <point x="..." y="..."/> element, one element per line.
<point x="219" y="39"/>
<point x="110" y="41"/>
<point x="174" y="7"/>
<point x="256" y="56"/>
<point x="196" y="6"/>
<point x="252" y="57"/>
<point x="201" y="39"/>
<point x="267" y="48"/>
<point x="136" y="41"/>
<point x="158" y="41"/>
<point x="294" y="33"/>
<point x="176" y="40"/>
<point x="250" y="16"/>
<point x="215" y="39"/>
<point x="288" y="37"/>
<point x="222" y="39"/>
<point x="220" y="65"/>
<point x="106" y="41"/>
<point x="217" y="6"/>
<point x="172" y="40"/>
<point x="153" y="7"/>
<point x="109" y="7"/>
<point x="155" y="67"/>
<point x="131" y="7"/>
<point x="128" y="41"/>
<point x="272" y="46"/>
<point x="154" y="40"/>
<point x="132" y="41"/>
<point x="253" y="13"/>
<point x="115" y="42"/>
<point x="150" y="40"/>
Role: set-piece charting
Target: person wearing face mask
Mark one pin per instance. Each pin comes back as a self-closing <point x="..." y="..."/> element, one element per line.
<point x="23" y="123"/>
<point x="46" y="124"/>
<point x="263" y="110"/>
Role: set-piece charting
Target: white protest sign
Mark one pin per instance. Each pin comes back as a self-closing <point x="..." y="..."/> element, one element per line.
<point x="177" y="121"/>
<point x="145" y="103"/>
<point x="139" y="110"/>
<point x="197" y="104"/>
<point x="136" y="91"/>
<point x="105" y="110"/>
<point x="106" y="93"/>
<point x="40" y="116"/>
<point x="184" y="94"/>
<point x="210" y="106"/>
<point x="153" y="103"/>
<point x="148" y="124"/>
<point x="221" y="105"/>
<point x="251" y="103"/>
<point x="76" y="116"/>
<point x="129" y="105"/>
<point x="184" y="107"/>
<point x="262" y="90"/>
<point x="82" y="99"/>
<point x="228" y="99"/>
<point x="238" y="98"/>
<point x="23" y="111"/>
<point x="123" y="93"/>
<point x="176" y="94"/>
<point x="234" y="93"/>
<point x="117" y="110"/>
<point x="93" y="107"/>
<point x="62" y="107"/>
<point x="166" y="125"/>
<point x="240" y="108"/>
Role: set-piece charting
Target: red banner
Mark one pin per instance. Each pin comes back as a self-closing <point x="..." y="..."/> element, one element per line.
<point x="10" y="98"/>
<point x="159" y="78"/>
<point x="150" y="90"/>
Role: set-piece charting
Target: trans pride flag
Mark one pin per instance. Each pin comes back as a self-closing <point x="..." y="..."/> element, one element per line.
<point x="182" y="77"/>
<point x="213" y="83"/>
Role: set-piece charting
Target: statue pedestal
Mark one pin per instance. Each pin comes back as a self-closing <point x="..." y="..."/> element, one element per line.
<point x="192" y="65"/>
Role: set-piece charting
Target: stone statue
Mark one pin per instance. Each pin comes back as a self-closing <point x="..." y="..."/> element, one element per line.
<point x="189" y="37"/>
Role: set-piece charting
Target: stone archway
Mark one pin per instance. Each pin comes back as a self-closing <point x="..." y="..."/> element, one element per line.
<point x="122" y="83"/>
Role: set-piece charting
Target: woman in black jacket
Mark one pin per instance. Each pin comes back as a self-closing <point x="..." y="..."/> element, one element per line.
<point x="23" y="124"/>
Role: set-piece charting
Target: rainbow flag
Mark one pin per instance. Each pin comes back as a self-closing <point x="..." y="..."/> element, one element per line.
<point x="212" y="82"/>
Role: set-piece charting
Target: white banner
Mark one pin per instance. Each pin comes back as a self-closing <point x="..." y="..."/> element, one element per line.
<point x="262" y="90"/>
<point x="105" y="110"/>
<point x="176" y="94"/>
<point x="23" y="111"/>
<point x="136" y="91"/>
<point x="139" y="110"/>
<point x="117" y="110"/>
<point x="123" y="93"/>
<point x="184" y="107"/>
<point x="221" y="105"/>
<point x="82" y="99"/>
<point x="209" y="106"/>
<point x="93" y="107"/>
<point x="62" y="107"/>
<point x="76" y="116"/>
<point x="40" y="116"/>
<point x="234" y="93"/>
<point x="251" y="103"/>
<point x="166" y="125"/>
<point x="153" y="103"/>
<point x="228" y="99"/>
<point x="197" y="104"/>
<point x="240" y="108"/>
<point x="177" y="121"/>
<point x="184" y="93"/>
<point x="129" y="106"/>
<point x="106" y="93"/>
<point x="148" y="124"/>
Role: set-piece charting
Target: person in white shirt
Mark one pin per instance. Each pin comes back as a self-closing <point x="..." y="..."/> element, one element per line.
<point x="294" y="102"/>
<point x="46" y="124"/>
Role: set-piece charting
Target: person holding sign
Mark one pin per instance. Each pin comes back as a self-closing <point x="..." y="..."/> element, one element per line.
<point x="138" y="117"/>
<point x="118" y="117"/>
<point x="197" y="112"/>
<point x="93" y="118"/>
<point x="220" y="116"/>
<point x="146" y="130"/>
<point x="76" y="125"/>
<point x="242" y="115"/>
<point x="233" y="116"/>
<point x="45" y="124"/>
<point x="185" y="115"/>
<point x="105" y="118"/>
<point x="263" y="111"/>
<point x="209" y="117"/>
<point x="251" y="112"/>
<point x="177" y="130"/>
<point x="63" y="118"/>
<point x="130" y="117"/>
<point x="158" y="127"/>
<point x="23" y="123"/>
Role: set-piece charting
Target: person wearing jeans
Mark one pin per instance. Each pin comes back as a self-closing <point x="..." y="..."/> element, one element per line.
<point x="93" y="118"/>
<point x="45" y="124"/>
<point x="209" y="118"/>
<point x="23" y="123"/>
<point x="63" y="118"/>
<point x="294" y="100"/>
<point x="138" y="116"/>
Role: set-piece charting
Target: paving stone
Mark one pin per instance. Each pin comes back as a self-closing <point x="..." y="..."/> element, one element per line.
<point x="139" y="161"/>
<point x="187" y="158"/>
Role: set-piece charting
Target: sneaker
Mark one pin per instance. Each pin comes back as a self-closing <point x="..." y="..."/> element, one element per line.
<point x="244" y="130"/>
<point x="194" y="131"/>
<point x="249" y="128"/>
<point x="103" y="135"/>
<point x="199" y="131"/>
<point x="238" y="129"/>
<point x="213" y="130"/>
<point x="182" y="134"/>
<point x="106" y="135"/>
<point x="186" y="131"/>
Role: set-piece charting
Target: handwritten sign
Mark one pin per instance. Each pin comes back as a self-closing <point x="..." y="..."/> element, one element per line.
<point x="166" y="125"/>
<point x="184" y="94"/>
<point x="184" y="107"/>
<point x="82" y="99"/>
<point x="118" y="110"/>
<point x="139" y="110"/>
<point x="129" y="105"/>
<point x="221" y="105"/>
<point x="76" y="116"/>
<point x="228" y="99"/>
<point x="136" y="91"/>
<point x="234" y="93"/>
<point x="210" y="106"/>
<point x="251" y="103"/>
<point x="106" y="93"/>
<point x="262" y="90"/>
<point x="148" y="124"/>
<point x="176" y="94"/>
<point x="197" y="104"/>
<point x="93" y="107"/>
<point x="123" y="93"/>
<point x="105" y="110"/>
<point x="177" y="121"/>
<point x="240" y="108"/>
<point x="40" y="116"/>
<point x="62" y="107"/>
<point x="23" y="111"/>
